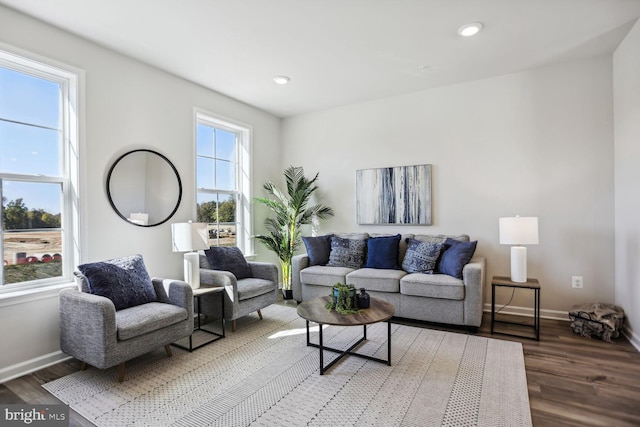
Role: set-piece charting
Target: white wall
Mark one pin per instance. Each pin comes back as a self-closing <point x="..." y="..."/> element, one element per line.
<point x="127" y="105"/>
<point x="536" y="143"/>
<point x="626" y="90"/>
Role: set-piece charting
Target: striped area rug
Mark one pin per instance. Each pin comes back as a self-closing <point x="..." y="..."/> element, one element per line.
<point x="265" y="375"/>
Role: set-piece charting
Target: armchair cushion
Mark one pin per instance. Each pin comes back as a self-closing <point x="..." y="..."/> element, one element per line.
<point x="228" y="259"/>
<point x="124" y="281"/>
<point x="134" y="321"/>
<point x="251" y="288"/>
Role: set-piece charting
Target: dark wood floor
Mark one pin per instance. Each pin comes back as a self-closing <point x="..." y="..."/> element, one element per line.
<point x="573" y="381"/>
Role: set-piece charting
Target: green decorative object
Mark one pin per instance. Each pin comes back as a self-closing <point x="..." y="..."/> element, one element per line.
<point x="291" y="209"/>
<point x="345" y="299"/>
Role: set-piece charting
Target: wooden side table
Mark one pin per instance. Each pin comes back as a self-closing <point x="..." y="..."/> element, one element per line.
<point x="197" y="293"/>
<point x="529" y="284"/>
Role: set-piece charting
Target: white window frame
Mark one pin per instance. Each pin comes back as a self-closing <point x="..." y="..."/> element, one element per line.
<point x="71" y="81"/>
<point x="244" y="230"/>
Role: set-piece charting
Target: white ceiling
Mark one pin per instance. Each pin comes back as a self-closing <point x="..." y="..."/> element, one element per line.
<point x="339" y="52"/>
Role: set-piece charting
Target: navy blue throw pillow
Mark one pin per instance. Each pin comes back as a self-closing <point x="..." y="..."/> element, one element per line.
<point x="382" y="252"/>
<point x="456" y="256"/>
<point x="318" y="249"/>
<point x="421" y="256"/>
<point x="228" y="259"/>
<point x="124" y="281"/>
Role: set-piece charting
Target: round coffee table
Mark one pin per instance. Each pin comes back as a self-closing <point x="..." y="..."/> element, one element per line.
<point x="314" y="311"/>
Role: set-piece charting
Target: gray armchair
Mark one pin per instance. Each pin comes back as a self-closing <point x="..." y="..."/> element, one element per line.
<point x="94" y="332"/>
<point x="242" y="296"/>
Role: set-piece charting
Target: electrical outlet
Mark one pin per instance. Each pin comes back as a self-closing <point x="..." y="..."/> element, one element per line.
<point x="576" y="282"/>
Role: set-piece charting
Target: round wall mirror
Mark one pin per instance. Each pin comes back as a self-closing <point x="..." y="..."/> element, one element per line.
<point x="144" y="188"/>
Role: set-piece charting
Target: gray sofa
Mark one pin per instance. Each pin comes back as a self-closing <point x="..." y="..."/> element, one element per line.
<point x="428" y="297"/>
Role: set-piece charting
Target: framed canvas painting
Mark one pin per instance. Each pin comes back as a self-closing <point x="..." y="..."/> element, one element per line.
<point x="394" y="195"/>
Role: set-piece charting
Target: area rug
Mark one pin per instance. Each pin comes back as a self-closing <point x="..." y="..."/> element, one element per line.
<point x="265" y="375"/>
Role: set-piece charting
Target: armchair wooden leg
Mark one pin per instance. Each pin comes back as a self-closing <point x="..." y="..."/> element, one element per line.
<point x="121" y="372"/>
<point x="260" y="314"/>
<point x="233" y="326"/>
<point x="83" y="366"/>
<point x="168" y="350"/>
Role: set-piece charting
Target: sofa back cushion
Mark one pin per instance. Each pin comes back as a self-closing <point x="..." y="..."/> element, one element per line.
<point x="124" y="281"/>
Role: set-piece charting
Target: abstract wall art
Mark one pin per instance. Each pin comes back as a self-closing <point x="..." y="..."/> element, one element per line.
<point x="394" y="195"/>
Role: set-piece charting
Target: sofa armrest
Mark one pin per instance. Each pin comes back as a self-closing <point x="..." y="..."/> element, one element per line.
<point x="473" y="276"/>
<point x="176" y="292"/>
<point x="87" y="326"/>
<point x="264" y="270"/>
<point x="298" y="263"/>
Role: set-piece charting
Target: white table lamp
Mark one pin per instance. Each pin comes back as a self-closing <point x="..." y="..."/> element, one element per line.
<point x="189" y="237"/>
<point x="519" y="231"/>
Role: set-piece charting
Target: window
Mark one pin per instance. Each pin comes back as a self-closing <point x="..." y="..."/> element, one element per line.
<point x="38" y="149"/>
<point x="222" y="181"/>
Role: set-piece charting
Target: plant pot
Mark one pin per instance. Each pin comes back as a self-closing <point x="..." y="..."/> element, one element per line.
<point x="352" y="297"/>
<point x="287" y="294"/>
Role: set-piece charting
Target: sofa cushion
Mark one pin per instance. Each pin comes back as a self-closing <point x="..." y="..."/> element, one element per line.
<point x="432" y="285"/>
<point x="228" y="259"/>
<point x="124" y="281"/>
<point x="456" y="255"/>
<point x="348" y="253"/>
<point x="375" y="279"/>
<point x="421" y="256"/>
<point x="324" y="275"/>
<point x="134" y="321"/>
<point x="382" y="252"/>
<point x="318" y="249"/>
<point x="253" y="287"/>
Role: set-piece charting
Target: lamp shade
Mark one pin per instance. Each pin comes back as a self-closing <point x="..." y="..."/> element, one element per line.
<point x="189" y="236"/>
<point x="519" y="230"/>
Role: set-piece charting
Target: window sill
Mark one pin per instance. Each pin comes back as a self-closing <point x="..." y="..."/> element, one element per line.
<point x="27" y="295"/>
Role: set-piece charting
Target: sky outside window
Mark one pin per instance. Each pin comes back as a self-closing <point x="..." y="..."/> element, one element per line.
<point x="33" y="146"/>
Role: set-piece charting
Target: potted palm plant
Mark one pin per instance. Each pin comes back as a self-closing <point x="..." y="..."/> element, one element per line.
<point x="291" y="209"/>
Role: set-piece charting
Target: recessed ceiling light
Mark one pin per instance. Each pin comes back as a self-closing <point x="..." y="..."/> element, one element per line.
<point x="469" y="30"/>
<point x="281" y="80"/>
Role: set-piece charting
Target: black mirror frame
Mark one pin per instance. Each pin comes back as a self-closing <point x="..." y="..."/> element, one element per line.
<point x="112" y="203"/>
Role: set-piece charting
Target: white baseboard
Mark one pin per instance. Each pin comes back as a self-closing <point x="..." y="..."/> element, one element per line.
<point x="28" y="366"/>
<point x="633" y="338"/>
<point x="528" y="312"/>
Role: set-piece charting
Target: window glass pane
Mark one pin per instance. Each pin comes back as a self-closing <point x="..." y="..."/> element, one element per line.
<point x="204" y="171"/>
<point x="219" y="211"/>
<point x="28" y="205"/>
<point x="29" y="150"/>
<point x="225" y="175"/>
<point x="32" y="255"/>
<point x="225" y="145"/>
<point x="204" y="140"/>
<point x="29" y="99"/>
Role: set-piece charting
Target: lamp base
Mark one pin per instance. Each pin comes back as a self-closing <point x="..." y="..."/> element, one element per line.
<point x="192" y="269"/>
<point x="518" y="264"/>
